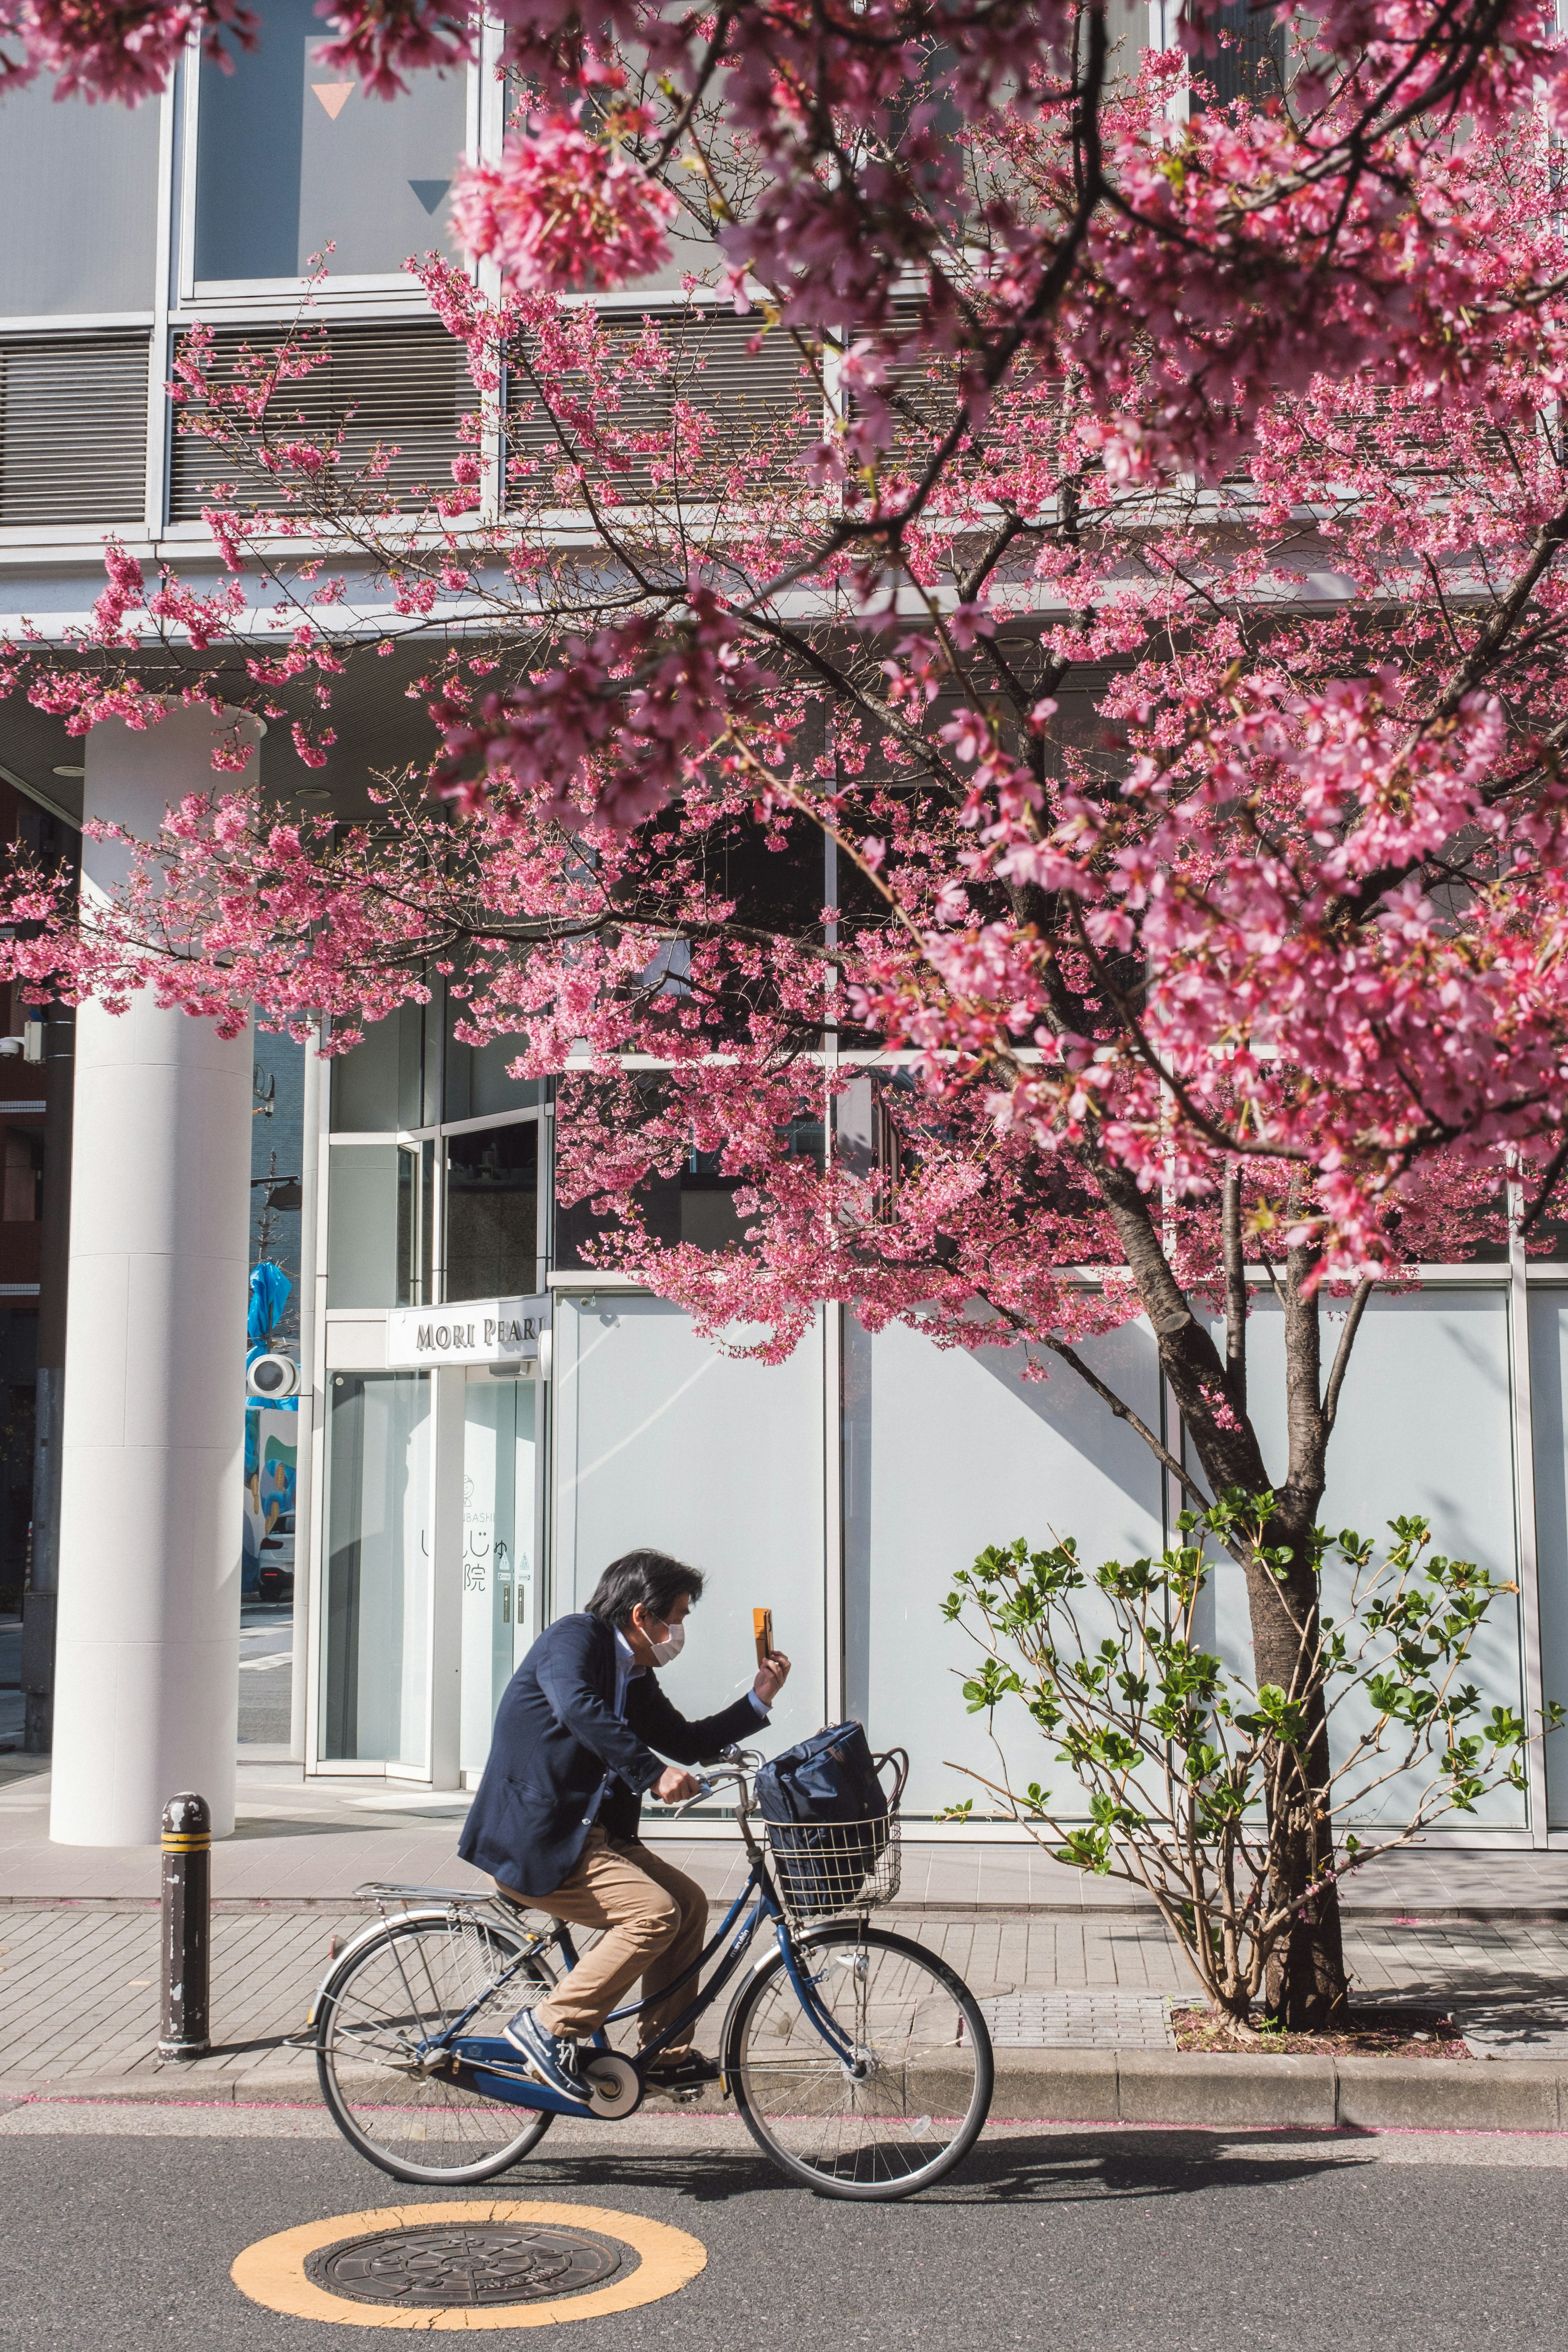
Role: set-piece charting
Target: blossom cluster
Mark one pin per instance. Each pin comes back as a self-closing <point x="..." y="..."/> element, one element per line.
<point x="1143" y="573"/>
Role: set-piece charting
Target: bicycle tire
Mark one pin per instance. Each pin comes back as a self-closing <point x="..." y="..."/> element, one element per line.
<point x="388" y="1994"/>
<point x="857" y="2138"/>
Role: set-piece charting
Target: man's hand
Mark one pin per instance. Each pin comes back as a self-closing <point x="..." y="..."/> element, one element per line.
<point x="771" y="1676"/>
<point x="673" y="1786"/>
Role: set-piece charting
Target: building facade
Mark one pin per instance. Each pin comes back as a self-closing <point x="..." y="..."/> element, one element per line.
<point x="447" y="1500"/>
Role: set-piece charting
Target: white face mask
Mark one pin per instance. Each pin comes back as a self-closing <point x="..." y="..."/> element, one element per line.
<point x="672" y="1646"/>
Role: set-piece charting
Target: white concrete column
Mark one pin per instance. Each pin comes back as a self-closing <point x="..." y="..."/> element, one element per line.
<point x="311" y="1388"/>
<point x="147" y="1673"/>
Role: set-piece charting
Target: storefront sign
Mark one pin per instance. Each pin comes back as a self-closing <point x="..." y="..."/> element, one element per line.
<point x="478" y="1331"/>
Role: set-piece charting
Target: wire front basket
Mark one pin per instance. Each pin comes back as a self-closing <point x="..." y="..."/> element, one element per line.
<point x="821" y="1868"/>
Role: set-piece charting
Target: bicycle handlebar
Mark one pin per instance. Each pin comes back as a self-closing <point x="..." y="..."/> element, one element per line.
<point x="738" y="1773"/>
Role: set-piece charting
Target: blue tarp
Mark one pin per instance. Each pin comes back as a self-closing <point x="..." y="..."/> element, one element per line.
<point x="269" y="1288"/>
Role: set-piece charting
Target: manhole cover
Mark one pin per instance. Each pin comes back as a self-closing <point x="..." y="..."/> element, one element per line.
<point x="462" y="2265"/>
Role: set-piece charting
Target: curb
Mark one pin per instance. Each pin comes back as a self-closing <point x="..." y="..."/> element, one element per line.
<point x="1167" y="2086"/>
<point x="1081" y="2087"/>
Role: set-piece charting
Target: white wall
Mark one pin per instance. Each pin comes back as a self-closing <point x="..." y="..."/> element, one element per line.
<point x="663" y="1440"/>
<point x="948" y="1452"/>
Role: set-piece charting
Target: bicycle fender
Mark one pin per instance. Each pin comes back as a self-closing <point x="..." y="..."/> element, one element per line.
<point x="372" y="1927"/>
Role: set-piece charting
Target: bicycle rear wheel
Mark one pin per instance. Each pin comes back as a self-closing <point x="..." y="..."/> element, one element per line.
<point x="391" y="1994"/>
<point x="913" y="2102"/>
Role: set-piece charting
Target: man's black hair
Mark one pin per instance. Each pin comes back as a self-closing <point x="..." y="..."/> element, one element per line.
<point x="651" y="1577"/>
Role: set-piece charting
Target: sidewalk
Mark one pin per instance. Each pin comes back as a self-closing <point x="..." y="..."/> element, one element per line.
<point x="1063" y="1962"/>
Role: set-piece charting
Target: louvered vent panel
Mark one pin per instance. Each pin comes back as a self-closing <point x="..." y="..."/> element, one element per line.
<point x="404" y="384"/>
<point x="1406" y="444"/>
<point x="753" y="400"/>
<point x="924" y="397"/>
<point x="1251" y="62"/>
<point x="73" y="429"/>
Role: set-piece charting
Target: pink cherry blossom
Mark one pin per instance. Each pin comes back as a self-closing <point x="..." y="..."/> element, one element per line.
<point x="1055" y="798"/>
<point x="564" y="209"/>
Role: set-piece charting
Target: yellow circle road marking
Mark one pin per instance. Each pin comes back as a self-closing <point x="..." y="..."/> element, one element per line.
<point x="272" y="2272"/>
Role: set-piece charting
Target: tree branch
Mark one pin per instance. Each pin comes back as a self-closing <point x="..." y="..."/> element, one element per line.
<point x="1234" y="1286"/>
<point x="1343" y="1355"/>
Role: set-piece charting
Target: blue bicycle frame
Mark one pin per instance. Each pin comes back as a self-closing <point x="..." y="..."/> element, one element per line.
<point x="493" y="2066"/>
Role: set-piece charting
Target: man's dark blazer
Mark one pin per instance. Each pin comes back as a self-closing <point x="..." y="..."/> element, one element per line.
<point x="558" y="1742"/>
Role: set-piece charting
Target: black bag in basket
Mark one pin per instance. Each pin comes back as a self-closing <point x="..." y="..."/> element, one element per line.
<point x="828" y="1817"/>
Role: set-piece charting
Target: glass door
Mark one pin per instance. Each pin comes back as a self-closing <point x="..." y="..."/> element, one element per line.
<point x="498" y="1425"/>
<point x="378" y="1614"/>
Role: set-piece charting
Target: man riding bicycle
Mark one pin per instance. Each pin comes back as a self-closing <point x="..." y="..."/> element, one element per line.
<point x="554" y="1820"/>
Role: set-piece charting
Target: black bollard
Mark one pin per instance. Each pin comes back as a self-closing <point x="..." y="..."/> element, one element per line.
<point x="187" y="1890"/>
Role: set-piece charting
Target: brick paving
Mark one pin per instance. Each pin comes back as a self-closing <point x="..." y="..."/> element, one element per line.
<point x="79" y="1991"/>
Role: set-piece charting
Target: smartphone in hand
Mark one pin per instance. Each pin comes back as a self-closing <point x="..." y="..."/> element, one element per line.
<point x="762" y="1627"/>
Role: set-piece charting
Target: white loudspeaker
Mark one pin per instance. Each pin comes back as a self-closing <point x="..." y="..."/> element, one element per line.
<point x="273" y="1378"/>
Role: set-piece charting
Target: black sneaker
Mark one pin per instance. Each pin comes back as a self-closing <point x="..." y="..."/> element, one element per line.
<point x="548" y="2058"/>
<point x="687" y="2073"/>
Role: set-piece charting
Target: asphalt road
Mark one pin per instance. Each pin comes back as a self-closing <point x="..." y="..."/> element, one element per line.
<point x="1082" y="2240"/>
<point x="266" y="1649"/>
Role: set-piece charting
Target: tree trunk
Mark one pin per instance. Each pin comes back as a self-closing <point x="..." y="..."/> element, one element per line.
<point x="1307" y="1984"/>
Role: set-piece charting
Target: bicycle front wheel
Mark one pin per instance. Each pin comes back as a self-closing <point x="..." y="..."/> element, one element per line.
<point x="402" y="1989"/>
<point x="910" y="2103"/>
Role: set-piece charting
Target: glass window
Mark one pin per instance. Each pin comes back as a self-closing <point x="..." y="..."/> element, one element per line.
<point x="695" y="1206"/>
<point x="84" y="181"/>
<point x="21" y="1200"/>
<point x="294" y="156"/>
<point x="661" y="1440"/>
<point x="378" y="1568"/>
<point x="476" y="1081"/>
<point x="389" y="1080"/>
<point x="498" y="1550"/>
<point x="492" y="1213"/>
<point x="277" y="1164"/>
<point x="380" y="1226"/>
<point x="1252" y="60"/>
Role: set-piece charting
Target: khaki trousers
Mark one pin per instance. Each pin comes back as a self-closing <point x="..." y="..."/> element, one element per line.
<point x="654" y="1922"/>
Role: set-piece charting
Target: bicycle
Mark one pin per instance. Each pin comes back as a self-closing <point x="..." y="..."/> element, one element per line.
<point x="860" y="2061"/>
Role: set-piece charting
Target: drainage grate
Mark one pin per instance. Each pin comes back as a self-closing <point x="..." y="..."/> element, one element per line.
<point x="457" y="2266"/>
<point x="1080" y="2020"/>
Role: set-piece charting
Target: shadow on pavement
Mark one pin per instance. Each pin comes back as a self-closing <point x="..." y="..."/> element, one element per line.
<point x="1053" y="2168"/>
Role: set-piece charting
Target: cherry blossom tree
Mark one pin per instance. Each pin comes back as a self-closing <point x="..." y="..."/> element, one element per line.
<point x="1147" y="587"/>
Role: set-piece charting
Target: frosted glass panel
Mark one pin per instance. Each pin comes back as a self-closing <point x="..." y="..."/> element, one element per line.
<point x="475" y="1076"/>
<point x="663" y="1440"/>
<point x="945" y="1453"/>
<point x="361" y="1225"/>
<point x="498" y="1551"/>
<point x="1549" y="1414"/>
<point x="378" y="1567"/>
<point x="1424" y="1425"/>
<point x="380" y="1237"/>
<point x="79" y="186"/>
<point x="294" y="155"/>
<point x="386" y="1081"/>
